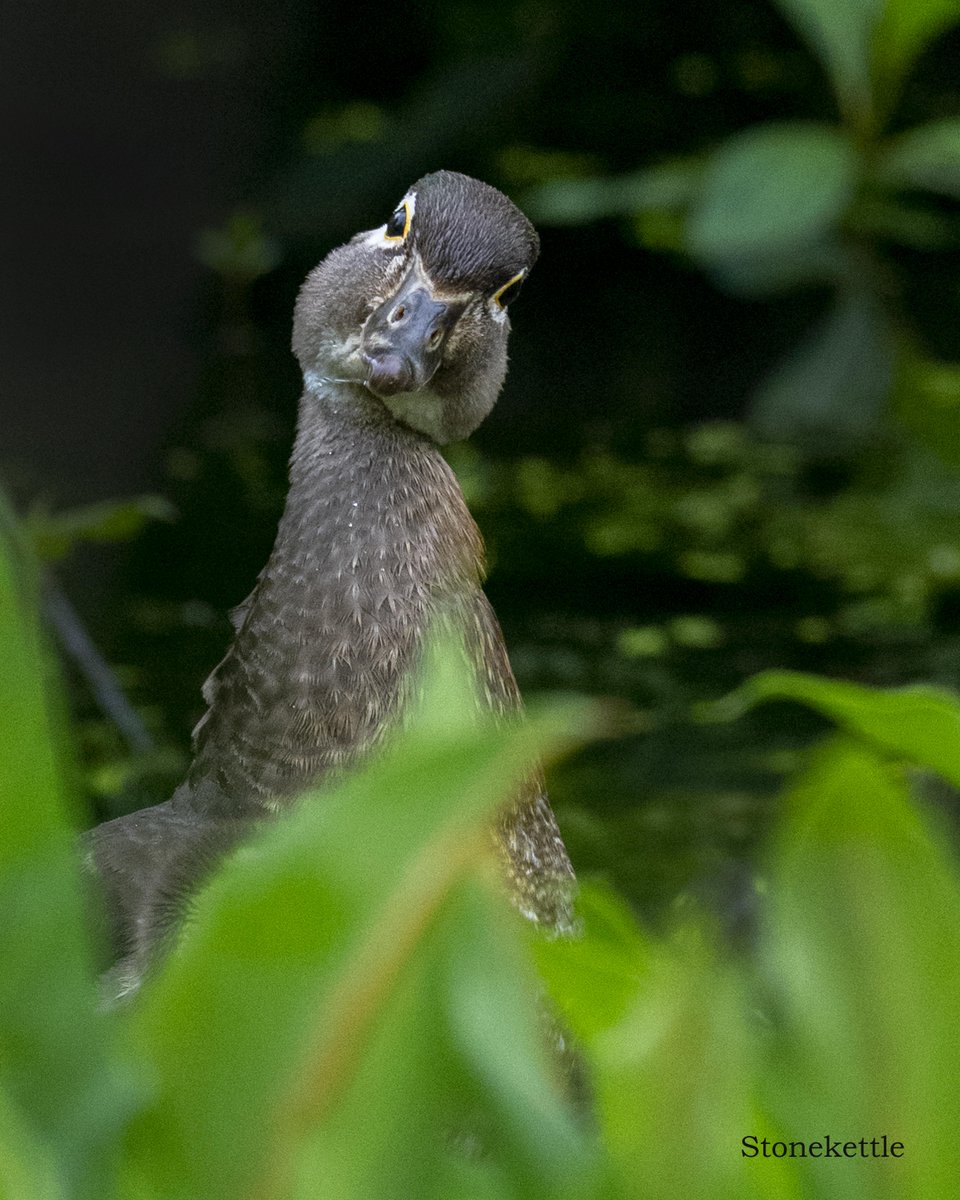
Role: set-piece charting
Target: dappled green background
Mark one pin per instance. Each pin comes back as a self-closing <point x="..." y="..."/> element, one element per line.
<point x="729" y="438"/>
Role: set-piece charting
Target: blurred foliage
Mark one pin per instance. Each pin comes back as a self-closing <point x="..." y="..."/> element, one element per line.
<point x="715" y="506"/>
<point x="240" y="251"/>
<point x="786" y="204"/>
<point x="355" y="1015"/>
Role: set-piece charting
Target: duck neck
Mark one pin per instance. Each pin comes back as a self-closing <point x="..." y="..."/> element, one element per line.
<point x="374" y="542"/>
<point x="373" y="512"/>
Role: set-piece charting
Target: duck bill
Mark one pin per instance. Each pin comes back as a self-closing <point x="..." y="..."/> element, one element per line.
<point x="403" y="339"/>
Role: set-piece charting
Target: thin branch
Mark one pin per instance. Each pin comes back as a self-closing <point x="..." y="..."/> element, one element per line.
<point x="77" y="643"/>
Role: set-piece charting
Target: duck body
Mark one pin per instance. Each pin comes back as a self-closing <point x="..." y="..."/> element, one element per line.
<point x="375" y="546"/>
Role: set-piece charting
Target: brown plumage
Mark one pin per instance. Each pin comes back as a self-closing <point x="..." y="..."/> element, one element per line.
<point x="401" y="335"/>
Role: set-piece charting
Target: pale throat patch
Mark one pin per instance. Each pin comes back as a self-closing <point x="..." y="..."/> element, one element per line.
<point x="422" y="411"/>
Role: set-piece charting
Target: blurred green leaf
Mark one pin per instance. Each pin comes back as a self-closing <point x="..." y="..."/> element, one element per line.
<point x="862" y="945"/>
<point x="905" y="220"/>
<point x="28" y="1169"/>
<point x="696" y="632"/>
<point x="358" y="121"/>
<point x="55" y="1054"/>
<point x="239" y="250"/>
<point x="770" y="190"/>
<point x="840" y="33"/>
<point x="524" y="165"/>
<point x="493" y="1010"/>
<point x="925" y="157"/>
<point x="678" y="1067"/>
<point x="761" y="275"/>
<point x="919" y="723"/>
<point x="906" y="28"/>
<point x="593" y="977"/>
<point x="926" y="397"/>
<point x="540" y="487"/>
<point x="666" y="186"/>
<point x="54" y="534"/>
<point x="458" y="1051"/>
<point x="829" y="393"/>
<point x="643" y="641"/>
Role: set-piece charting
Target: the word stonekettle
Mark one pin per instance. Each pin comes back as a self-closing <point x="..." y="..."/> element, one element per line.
<point x="828" y="1147"/>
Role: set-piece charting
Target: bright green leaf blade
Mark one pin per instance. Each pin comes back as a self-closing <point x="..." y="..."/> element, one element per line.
<point x="461" y="1051"/>
<point x="54" y="1043"/>
<point x="593" y="977"/>
<point x="831" y="391"/>
<point x="920" y="724"/>
<point x="33" y="762"/>
<point x="27" y="1166"/>
<point x="673" y="1079"/>
<point x="262" y="1017"/>
<point x="840" y="33"/>
<point x="926" y="157"/>
<point x="906" y="28"/>
<point x="771" y="189"/>
<point x="385" y="1132"/>
<point x="862" y="946"/>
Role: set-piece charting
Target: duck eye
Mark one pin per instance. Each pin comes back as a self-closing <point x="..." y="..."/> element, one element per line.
<point x="398" y="226"/>
<point x="510" y="290"/>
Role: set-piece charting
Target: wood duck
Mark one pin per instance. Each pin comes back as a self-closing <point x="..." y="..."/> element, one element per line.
<point x="402" y="338"/>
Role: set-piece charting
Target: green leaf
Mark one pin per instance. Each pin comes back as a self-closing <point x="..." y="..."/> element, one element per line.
<point x="465" y="1037"/>
<point x="55" y="1046"/>
<point x="593" y="977"/>
<point x="771" y="190"/>
<point x="676" y="1073"/>
<point x="831" y="391"/>
<point x="27" y="1167"/>
<point x="667" y="186"/>
<point x="906" y="28"/>
<point x="840" y="33"/>
<point x="240" y="250"/>
<point x="862" y="947"/>
<point x="920" y="724"/>
<point x="926" y="397"/>
<point x="305" y="947"/>
<point x="903" y="218"/>
<point x="926" y="158"/>
<point x="53" y="534"/>
<point x="761" y="275"/>
<point x="868" y="46"/>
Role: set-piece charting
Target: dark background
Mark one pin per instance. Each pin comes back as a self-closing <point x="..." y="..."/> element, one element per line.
<point x="170" y="175"/>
